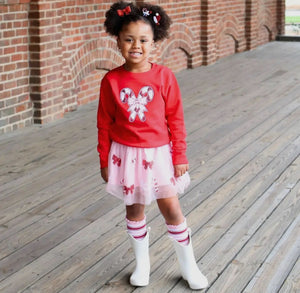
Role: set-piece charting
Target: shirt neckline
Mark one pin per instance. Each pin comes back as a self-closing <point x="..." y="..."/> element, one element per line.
<point x="153" y="65"/>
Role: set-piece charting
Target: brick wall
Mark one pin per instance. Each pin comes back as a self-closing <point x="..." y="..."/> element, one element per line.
<point x="53" y="54"/>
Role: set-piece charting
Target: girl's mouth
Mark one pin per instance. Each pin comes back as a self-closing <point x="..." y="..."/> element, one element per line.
<point x="135" y="54"/>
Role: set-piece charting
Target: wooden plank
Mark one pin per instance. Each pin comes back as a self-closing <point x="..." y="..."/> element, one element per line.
<point x="231" y="143"/>
<point x="277" y="266"/>
<point x="234" y="113"/>
<point x="42" y="193"/>
<point x="292" y="283"/>
<point x="45" y="217"/>
<point x="246" y="262"/>
<point x="26" y="153"/>
<point x="47" y="171"/>
<point x="233" y="165"/>
<point x="48" y="261"/>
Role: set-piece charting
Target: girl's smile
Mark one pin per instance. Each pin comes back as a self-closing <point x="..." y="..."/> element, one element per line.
<point x="135" y="42"/>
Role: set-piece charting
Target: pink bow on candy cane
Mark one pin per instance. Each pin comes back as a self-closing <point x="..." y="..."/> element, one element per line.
<point x="125" y="11"/>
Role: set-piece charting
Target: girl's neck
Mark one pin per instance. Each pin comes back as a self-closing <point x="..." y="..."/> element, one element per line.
<point x="138" y="68"/>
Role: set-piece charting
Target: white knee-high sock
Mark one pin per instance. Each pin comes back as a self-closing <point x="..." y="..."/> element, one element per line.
<point x="179" y="233"/>
<point x="137" y="229"/>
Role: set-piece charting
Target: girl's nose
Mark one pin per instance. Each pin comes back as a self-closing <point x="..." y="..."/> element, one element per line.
<point x="136" y="44"/>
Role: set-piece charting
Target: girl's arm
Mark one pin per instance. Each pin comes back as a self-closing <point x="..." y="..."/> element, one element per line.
<point x="175" y="121"/>
<point x="179" y="170"/>
<point x="105" y="117"/>
<point x="104" y="174"/>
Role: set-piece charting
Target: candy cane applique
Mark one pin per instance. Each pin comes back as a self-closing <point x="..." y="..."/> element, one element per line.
<point x="137" y="105"/>
<point x="155" y="184"/>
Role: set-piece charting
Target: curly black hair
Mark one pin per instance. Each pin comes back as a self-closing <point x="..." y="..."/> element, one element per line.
<point x="122" y="13"/>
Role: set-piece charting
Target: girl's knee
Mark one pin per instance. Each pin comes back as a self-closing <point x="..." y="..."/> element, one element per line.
<point x="171" y="210"/>
<point x="135" y="212"/>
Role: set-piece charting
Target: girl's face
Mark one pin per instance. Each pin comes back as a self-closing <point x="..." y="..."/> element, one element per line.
<point x="135" y="42"/>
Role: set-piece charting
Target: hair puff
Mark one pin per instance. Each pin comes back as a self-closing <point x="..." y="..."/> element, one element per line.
<point x="156" y="17"/>
<point x="114" y="22"/>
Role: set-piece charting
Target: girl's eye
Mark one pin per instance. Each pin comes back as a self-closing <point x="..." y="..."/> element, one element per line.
<point x="128" y="40"/>
<point x="144" y="41"/>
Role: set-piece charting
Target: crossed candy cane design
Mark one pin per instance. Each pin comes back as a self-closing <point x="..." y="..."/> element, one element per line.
<point x="137" y="106"/>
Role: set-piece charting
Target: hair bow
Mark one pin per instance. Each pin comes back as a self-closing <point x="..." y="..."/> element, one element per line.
<point x="125" y="11"/>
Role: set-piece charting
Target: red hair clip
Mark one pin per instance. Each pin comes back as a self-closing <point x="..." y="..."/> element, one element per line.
<point x="125" y="11"/>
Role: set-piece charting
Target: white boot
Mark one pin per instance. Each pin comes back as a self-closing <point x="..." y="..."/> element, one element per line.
<point x="188" y="266"/>
<point x="140" y="276"/>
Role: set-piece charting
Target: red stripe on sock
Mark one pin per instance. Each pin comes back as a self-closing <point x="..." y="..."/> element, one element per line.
<point x="175" y="233"/>
<point x="186" y="239"/>
<point x="141" y="236"/>
<point x="136" y="228"/>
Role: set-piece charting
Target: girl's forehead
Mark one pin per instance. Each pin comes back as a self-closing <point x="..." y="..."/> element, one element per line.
<point x="138" y="27"/>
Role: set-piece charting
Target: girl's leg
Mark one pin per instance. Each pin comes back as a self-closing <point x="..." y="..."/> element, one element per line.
<point x="135" y="212"/>
<point x="180" y="234"/>
<point x="171" y="210"/>
<point x="136" y="221"/>
<point x="176" y="223"/>
<point x="139" y="239"/>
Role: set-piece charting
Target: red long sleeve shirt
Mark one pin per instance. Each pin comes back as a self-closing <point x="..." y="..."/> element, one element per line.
<point x="141" y="110"/>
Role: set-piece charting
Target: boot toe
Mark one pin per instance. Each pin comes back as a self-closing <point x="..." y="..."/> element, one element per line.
<point x="139" y="281"/>
<point x="198" y="283"/>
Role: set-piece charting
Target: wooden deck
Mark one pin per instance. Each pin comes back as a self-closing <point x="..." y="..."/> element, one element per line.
<point x="60" y="231"/>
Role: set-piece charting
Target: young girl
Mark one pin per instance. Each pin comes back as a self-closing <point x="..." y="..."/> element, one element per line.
<point x="141" y="137"/>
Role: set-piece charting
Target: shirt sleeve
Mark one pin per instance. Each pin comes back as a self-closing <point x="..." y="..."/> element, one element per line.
<point x="105" y="118"/>
<point x="175" y="120"/>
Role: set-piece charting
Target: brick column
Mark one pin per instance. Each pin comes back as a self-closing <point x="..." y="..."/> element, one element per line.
<point x="251" y="24"/>
<point x="208" y="31"/>
<point x="281" y="17"/>
<point x="45" y="46"/>
<point x="15" y="104"/>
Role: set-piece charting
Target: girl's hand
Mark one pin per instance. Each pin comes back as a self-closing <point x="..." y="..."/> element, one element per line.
<point x="104" y="174"/>
<point x="179" y="170"/>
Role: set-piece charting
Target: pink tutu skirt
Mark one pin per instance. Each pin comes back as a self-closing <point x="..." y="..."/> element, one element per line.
<point x="142" y="175"/>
